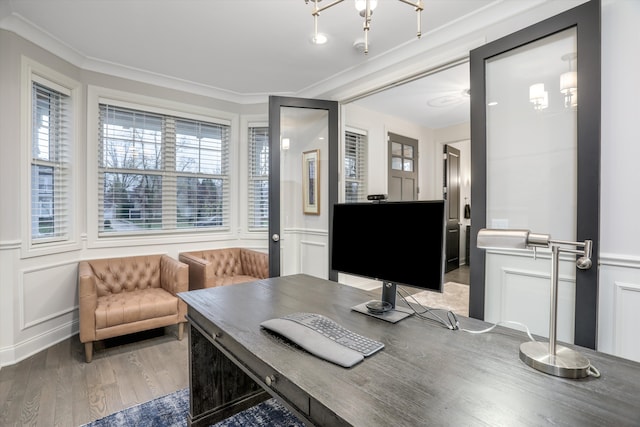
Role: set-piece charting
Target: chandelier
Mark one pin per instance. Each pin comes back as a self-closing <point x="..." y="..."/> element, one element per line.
<point x="365" y="9"/>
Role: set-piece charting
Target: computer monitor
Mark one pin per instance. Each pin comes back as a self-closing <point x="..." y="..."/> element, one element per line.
<point x="398" y="243"/>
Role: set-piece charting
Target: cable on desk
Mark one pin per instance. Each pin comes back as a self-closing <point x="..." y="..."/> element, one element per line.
<point x="489" y="329"/>
<point x="450" y="323"/>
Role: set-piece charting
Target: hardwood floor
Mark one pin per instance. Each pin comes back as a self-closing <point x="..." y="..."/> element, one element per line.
<point x="57" y="388"/>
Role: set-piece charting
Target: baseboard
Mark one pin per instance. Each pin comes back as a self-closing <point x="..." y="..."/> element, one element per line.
<point x="20" y="351"/>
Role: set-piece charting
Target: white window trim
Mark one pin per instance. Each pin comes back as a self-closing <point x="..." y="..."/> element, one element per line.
<point x="33" y="71"/>
<point x="97" y="95"/>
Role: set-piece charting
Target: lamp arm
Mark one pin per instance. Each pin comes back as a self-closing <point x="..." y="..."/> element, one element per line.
<point x="584" y="262"/>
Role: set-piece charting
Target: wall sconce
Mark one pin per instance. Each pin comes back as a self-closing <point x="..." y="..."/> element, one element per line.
<point x="538" y="96"/>
<point x="554" y="359"/>
<point x="285" y="144"/>
<point x="569" y="83"/>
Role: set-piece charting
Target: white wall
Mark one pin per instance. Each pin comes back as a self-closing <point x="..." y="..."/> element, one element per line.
<point x="619" y="291"/>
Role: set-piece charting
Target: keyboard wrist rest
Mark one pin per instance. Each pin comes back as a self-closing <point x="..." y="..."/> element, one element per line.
<point x="313" y="342"/>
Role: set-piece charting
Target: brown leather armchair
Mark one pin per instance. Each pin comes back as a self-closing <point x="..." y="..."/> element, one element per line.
<point x="119" y="296"/>
<point x="227" y="266"/>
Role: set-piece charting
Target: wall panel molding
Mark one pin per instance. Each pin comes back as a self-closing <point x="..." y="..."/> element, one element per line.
<point x="41" y="301"/>
<point x="625" y="335"/>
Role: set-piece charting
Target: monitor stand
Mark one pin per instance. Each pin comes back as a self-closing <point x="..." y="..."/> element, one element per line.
<point x="384" y="309"/>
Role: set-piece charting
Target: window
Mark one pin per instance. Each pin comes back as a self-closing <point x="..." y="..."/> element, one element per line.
<point x="161" y="173"/>
<point x="258" y="178"/>
<point x="355" y="166"/>
<point x="50" y="162"/>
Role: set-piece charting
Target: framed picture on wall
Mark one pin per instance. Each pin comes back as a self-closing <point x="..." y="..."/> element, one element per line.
<point x="311" y="182"/>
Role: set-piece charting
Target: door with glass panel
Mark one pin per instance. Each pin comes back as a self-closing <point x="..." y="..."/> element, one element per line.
<point x="535" y="128"/>
<point x="303" y="185"/>
<point x="403" y="168"/>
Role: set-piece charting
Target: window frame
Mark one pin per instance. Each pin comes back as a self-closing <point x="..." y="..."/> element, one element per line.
<point x="100" y="95"/>
<point x="34" y="72"/>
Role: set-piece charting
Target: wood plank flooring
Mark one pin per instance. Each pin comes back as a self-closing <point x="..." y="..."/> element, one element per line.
<point x="57" y="388"/>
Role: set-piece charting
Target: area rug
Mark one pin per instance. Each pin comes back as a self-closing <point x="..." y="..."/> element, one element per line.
<point x="171" y="411"/>
<point x="455" y="297"/>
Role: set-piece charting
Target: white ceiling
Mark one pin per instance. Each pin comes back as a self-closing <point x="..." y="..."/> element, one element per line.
<point x="245" y="50"/>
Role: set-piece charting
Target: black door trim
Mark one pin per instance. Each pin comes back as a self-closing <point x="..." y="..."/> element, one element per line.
<point x="275" y="104"/>
<point x="586" y="19"/>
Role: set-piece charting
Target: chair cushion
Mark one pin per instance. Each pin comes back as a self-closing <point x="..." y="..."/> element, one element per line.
<point x="128" y="307"/>
<point x="232" y="280"/>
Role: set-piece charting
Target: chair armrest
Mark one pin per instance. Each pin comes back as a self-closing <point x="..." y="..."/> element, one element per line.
<point x="87" y="301"/>
<point x="255" y="263"/>
<point x="200" y="271"/>
<point x="174" y="278"/>
<point x="174" y="275"/>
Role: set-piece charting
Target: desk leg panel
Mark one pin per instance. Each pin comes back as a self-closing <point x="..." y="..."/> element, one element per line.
<point x="218" y="388"/>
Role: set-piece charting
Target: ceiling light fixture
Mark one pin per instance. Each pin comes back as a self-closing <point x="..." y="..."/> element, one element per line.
<point x="569" y="82"/>
<point x="538" y="96"/>
<point x="365" y="8"/>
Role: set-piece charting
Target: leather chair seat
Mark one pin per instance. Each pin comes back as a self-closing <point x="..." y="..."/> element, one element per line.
<point x="134" y="306"/>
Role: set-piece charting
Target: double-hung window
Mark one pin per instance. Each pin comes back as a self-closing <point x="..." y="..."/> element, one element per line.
<point x="258" y="178"/>
<point x="50" y="162"/>
<point x="161" y="173"/>
<point x="355" y="166"/>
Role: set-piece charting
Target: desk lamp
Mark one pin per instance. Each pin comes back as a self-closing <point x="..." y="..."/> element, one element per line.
<point x="554" y="359"/>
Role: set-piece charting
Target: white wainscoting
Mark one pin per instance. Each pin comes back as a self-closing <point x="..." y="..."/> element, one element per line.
<point x="627" y="319"/>
<point x="314" y="258"/>
<point x="619" y="306"/>
<point x="305" y="251"/>
<point x="518" y="289"/>
<point x="526" y="298"/>
<point x="47" y="292"/>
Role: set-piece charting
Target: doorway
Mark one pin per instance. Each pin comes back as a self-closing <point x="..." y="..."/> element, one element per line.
<point x="451" y="194"/>
<point x="303" y="184"/>
<point x="403" y="167"/>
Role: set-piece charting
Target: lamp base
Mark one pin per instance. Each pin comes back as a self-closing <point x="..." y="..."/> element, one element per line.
<point x="566" y="363"/>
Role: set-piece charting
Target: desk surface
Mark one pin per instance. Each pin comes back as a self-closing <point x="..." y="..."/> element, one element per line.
<point x="425" y="375"/>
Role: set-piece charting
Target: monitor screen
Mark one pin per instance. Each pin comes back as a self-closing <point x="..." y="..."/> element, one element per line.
<point x="398" y="243"/>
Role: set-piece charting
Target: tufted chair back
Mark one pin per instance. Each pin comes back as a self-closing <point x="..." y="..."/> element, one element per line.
<point x="225" y="266"/>
<point x="227" y="262"/>
<point x="116" y="275"/>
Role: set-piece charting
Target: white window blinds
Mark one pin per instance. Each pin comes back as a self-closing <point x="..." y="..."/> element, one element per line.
<point x="50" y="165"/>
<point x="258" y="178"/>
<point x="161" y="173"/>
<point x="355" y="166"/>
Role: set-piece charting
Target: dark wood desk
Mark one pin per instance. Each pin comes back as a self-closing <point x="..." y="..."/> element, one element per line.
<point x="425" y="375"/>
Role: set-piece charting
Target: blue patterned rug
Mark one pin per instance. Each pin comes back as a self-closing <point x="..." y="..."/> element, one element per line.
<point x="171" y="411"/>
